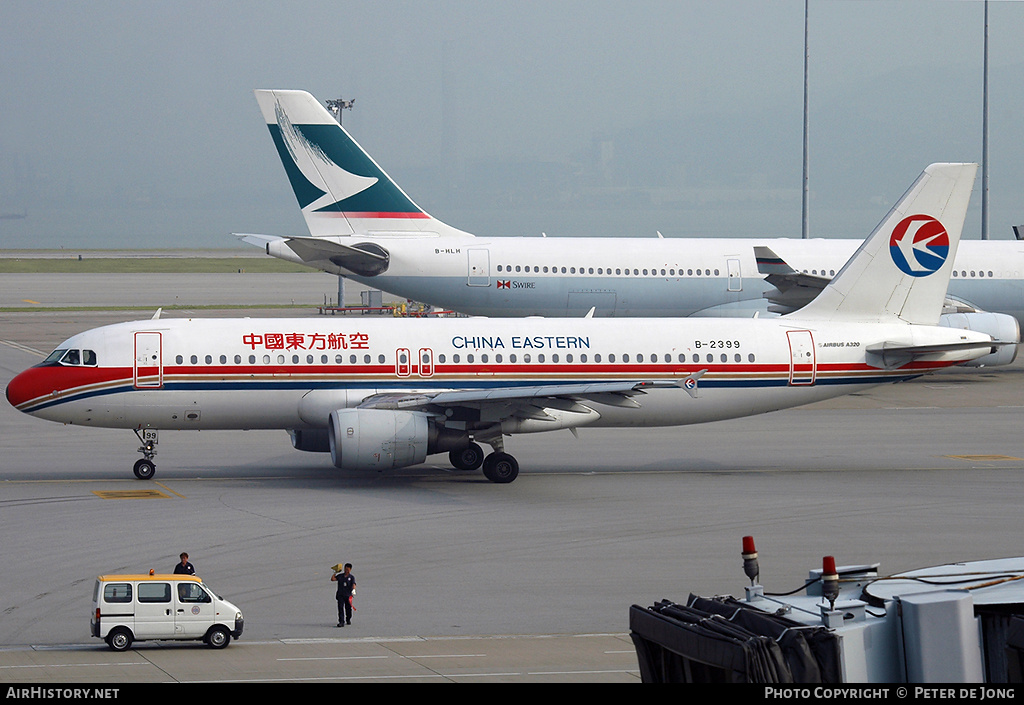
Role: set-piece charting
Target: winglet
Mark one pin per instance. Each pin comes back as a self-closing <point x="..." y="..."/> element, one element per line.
<point x="902" y="270"/>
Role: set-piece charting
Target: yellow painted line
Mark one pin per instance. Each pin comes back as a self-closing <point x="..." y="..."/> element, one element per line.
<point x="29" y="301"/>
<point x="983" y="457"/>
<point x="130" y="494"/>
<point x="176" y="494"/>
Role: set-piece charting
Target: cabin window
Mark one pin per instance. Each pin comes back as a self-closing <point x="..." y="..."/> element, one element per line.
<point x="750" y="357"/>
<point x="470" y="358"/>
<point x="238" y="359"/>
<point x="339" y="360"/>
<point x="526" y="357"/>
<point x="154" y="592"/>
<point x="442" y="358"/>
<point x="295" y="359"/>
<point x="497" y="358"/>
<point x="554" y="358"/>
<point x="625" y="357"/>
<point x="456" y="358"/>
<point x="711" y="358"/>
<point x="178" y="359"/>
<point x="252" y="359"/>
<point x="223" y="359"/>
<point x="540" y="357"/>
<point x="512" y="357"/>
<point x="266" y="359"/>
<point x="209" y="359"/>
<point x="119" y="593"/>
<point x="611" y="357"/>
<point x="193" y="359"/>
<point x="597" y="357"/>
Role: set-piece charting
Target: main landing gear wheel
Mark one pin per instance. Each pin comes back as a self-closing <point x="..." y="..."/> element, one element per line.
<point x="144" y="469"/>
<point x="469" y="458"/>
<point x="501" y="468"/>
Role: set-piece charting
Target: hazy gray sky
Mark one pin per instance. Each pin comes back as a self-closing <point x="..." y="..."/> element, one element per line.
<point x="134" y="124"/>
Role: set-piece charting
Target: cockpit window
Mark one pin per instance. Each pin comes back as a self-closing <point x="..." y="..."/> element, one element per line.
<point x="73" y="357"/>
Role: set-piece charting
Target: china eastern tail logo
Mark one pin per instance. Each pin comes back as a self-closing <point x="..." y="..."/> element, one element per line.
<point x="919" y="245"/>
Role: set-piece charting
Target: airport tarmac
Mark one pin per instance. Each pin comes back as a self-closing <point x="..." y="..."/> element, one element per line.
<point x="460" y="579"/>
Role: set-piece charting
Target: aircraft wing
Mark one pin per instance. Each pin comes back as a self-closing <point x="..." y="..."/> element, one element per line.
<point x="793" y="289"/>
<point x="564" y="397"/>
<point x="363" y="258"/>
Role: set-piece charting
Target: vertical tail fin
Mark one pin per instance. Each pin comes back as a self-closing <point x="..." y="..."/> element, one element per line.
<point x="340" y="188"/>
<point x="902" y="270"/>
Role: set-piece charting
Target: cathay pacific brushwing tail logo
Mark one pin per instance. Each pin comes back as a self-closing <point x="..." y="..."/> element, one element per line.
<point x="919" y="245"/>
<point x="318" y="168"/>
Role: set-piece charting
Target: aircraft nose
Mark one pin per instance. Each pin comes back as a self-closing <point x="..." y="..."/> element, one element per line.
<point x="27" y="386"/>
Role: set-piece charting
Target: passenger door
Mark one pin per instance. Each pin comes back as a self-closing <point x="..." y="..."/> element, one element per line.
<point x="479" y="267"/>
<point x="149" y="368"/>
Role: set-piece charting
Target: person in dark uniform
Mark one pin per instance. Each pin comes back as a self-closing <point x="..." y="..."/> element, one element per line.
<point x="184" y="568"/>
<point x="346" y="587"/>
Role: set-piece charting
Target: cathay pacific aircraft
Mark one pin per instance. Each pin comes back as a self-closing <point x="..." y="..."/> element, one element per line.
<point x="364" y="227"/>
<point x="387" y="393"/>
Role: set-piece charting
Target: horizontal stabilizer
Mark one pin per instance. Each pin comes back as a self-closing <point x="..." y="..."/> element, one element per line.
<point x="363" y="258"/>
<point x="890" y="354"/>
<point x="793" y="290"/>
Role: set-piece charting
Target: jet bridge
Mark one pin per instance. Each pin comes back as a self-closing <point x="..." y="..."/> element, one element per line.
<point x="957" y="623"/>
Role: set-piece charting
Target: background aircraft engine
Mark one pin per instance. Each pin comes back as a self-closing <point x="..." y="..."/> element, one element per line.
<point x="1002" y="328"/>
<point x="377" y="439"/>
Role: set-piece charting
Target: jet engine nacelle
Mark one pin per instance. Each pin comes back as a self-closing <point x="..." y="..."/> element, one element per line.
<point x="1002" y="328"/>
<point x="377" y="439"/>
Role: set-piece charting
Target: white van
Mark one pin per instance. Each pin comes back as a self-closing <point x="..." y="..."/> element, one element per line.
<point x="142" y="607"/>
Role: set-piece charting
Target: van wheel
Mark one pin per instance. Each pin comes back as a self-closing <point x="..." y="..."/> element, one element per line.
<point x="120" y="639"/>
<point x="218" y="637"/>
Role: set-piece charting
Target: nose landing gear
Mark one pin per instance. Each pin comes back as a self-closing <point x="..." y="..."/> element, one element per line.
<point x="145" y="468"/>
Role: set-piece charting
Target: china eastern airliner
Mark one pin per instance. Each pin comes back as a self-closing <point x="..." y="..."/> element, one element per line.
<point x="364" y="227"/>
<point x="387" y="393"/>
